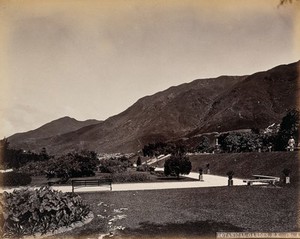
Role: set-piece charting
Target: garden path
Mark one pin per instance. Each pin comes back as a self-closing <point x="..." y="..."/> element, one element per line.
<point x="209" y="180"/>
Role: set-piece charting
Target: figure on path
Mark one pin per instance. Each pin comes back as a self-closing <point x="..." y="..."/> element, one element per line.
<point x="291" y="143"/>
<point x="200" y="174"/>
<point x="207" y="168"/>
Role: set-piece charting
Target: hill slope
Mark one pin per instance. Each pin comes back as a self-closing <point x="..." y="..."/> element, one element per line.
<point x="205" y="105"/>
<point x="261" y="99"/>
<point x="53" y="128"/>
<point x="165" y="115"/>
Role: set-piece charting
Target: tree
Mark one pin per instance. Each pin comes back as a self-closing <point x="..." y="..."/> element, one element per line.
<point x="44" y="155"/>
<point x="240" y="142"/>
<point x="73" y="165"/>
<point x="177" y="164"/>
<point x="203" y="144"/>
<point x="139" y="161"/>
<point x="4" y="146"/>
<point x="250" y="142"/>
<point x="16" y="158"/>
<point x="289" y="127"/>
<point x="232" y="142"/>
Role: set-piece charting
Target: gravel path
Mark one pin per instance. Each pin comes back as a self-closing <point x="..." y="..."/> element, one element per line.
<point x="208" y="181"/>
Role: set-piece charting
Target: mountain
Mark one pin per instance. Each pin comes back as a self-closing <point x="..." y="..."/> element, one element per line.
<point x="54" y="128"/>
<point x="260" y="100"/>
<point x="201" y="106"/>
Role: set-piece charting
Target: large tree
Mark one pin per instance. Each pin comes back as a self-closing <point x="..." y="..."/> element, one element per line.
<point x="177" y="164"/>
<point x="73" y="165"/>
<point x="289" y="127"/>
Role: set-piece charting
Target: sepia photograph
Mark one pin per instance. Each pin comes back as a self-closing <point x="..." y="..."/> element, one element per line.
<point x="162" y="119"/>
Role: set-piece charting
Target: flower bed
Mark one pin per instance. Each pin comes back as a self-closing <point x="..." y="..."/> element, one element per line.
<point x="26" y="212"/>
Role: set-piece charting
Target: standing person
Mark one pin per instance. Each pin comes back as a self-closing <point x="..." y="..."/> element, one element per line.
<point x="200" y="174"/>
<point x="207" y="168"/>
<point x="291" y="143"/>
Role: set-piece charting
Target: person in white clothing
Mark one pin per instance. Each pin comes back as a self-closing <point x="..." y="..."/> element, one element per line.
<point x="291" y="143"/>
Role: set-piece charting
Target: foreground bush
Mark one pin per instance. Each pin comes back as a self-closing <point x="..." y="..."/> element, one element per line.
<point x="11" y="179"/>
<point x="26" y="212"/>
<point x="130" y="177"/>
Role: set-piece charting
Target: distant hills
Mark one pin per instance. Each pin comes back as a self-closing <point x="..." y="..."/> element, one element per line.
<point x="201" y="106"/>
<point x="54" y="128"/>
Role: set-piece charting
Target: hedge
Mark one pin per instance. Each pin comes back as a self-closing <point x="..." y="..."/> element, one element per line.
<point x="11" y="179"/>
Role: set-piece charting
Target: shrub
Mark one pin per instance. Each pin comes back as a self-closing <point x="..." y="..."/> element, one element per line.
<point x="11" y="179"/>
<point x="35" y="168"/>
<point x="141" y="168"/>
<point x="130" y="177"/>
<point x="26" y="212"/>
<point x="113" y="165"/>
<point x="177" y="164"/>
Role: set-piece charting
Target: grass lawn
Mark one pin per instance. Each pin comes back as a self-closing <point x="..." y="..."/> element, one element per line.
<point x="190" y="213"/>
<point x="201" y="212"/>
<point x="245" y="165"/>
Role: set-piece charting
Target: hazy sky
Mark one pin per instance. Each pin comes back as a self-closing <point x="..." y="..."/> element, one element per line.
<point x="93" y="59"/>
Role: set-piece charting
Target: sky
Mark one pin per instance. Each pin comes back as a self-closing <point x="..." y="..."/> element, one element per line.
<point x="92" y="59"/>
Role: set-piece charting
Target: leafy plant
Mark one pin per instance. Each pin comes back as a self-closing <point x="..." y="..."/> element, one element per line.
<point x="26" y="212"/>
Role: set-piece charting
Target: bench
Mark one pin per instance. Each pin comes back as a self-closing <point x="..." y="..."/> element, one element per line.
<point x="262" y="179"/>
<point x="266" y="177"/>
<point x="91" y="182"/>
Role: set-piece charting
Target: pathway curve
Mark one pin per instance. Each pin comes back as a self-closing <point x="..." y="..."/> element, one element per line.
<point x="209" y="180"/>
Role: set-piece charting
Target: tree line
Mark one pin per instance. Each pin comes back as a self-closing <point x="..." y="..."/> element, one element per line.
<point x="16" y="158"/>
<point x="275" y="139"/>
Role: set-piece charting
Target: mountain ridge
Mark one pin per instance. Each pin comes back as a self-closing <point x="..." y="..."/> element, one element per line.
<point x="56" y="127"/>
<point x="200" y="106"/>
